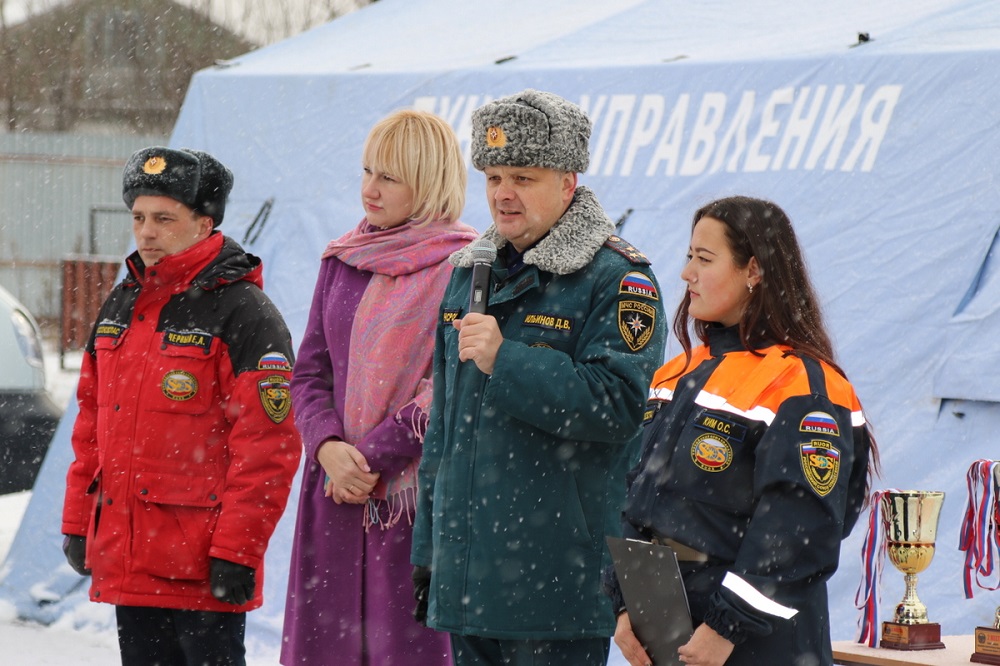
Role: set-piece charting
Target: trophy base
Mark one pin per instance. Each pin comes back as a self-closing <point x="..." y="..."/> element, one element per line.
<point x="896" y="636"/>
<point x="987" y="642"/>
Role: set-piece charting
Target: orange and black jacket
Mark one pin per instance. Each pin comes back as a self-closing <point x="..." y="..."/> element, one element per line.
<point x="758" y="460"/>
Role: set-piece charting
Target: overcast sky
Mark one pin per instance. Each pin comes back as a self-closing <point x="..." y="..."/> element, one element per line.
<point x="260" y="21"/>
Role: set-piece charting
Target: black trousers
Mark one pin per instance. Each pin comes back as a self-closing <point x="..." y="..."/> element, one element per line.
<point x="169" y="637"/>
<point x="477" y="651"/>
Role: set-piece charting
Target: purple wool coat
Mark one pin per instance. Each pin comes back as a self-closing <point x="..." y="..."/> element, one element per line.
<point x="350" y="597"/>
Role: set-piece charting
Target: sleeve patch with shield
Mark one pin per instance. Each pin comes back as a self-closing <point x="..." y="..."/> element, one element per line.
<point x="636" y="322"/>
<point x="820" y="464"/>
<point x="275" y="396"/>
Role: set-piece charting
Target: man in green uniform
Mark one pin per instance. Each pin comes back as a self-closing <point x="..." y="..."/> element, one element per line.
<point x="537" y="403"/>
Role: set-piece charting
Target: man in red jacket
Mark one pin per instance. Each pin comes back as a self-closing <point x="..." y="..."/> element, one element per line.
<point x="185" y="446"/>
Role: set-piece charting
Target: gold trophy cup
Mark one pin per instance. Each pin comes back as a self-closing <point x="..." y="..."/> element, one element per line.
<point x="911" y="529"/>
<point x="987" y="642"/>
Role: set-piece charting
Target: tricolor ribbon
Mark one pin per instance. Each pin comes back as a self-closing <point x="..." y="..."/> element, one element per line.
<point x="873" y="551"/>
<point x="980" y="538"/>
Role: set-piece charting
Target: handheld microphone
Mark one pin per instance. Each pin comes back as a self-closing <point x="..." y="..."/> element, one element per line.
<point x="483" y="254"/>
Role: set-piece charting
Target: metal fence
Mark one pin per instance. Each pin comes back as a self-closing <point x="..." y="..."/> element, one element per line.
<point x="60" y="195"/>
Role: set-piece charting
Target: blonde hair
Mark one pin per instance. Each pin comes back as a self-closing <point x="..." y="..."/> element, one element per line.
<point x="421" y="150"/>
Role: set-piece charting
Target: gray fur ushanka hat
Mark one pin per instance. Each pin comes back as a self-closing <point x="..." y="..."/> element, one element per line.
<point x="531" y="129"/>
<point x="193" y="177"/>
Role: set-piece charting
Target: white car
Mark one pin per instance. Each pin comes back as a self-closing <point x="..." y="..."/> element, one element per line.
<point x="28" y="415"/>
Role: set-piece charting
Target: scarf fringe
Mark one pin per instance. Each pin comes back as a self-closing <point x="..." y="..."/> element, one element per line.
<point x="396" y="506"/>
<point x="419" y="421"/>
<point x="404" y="499"/>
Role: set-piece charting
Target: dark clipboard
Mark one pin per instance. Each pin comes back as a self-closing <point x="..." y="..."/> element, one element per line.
<point x="654" y="596"/>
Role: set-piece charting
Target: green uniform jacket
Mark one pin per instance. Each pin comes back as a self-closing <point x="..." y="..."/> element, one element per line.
<point x="522" y="475"/>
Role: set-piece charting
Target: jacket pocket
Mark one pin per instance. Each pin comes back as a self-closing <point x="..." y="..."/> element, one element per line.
<point x="175" y="516"/>
<point x="560" y="340"/>
<point x="714" y="462"/>
<point x="187" y="378"/>
<point x="578" y="527"/>
<point x="94" y="496"/>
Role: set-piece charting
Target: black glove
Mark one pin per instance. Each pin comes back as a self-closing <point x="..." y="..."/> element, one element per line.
<point x="232" y="583"/>
<point x="421" y="589"/>
<point x="75" y="549"/>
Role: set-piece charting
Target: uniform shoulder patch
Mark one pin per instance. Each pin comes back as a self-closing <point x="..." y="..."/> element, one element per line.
<point x="274" y="361"/>
<point x="275" y="396"/>
<point x="820" y="465"/>
<point x="626" y="249"/>
<point x="638" y="284"/>
<point x="820" y="423"/>
<point x="636" y="323"/>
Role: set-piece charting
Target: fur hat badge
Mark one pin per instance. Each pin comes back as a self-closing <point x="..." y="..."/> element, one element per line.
<point x="531" y="129"/>
<point x="193" y="177"/>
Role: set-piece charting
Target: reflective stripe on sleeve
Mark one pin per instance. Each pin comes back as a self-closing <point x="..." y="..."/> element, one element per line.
<point x="718" y="403"/>
<point x="749" y="594"/>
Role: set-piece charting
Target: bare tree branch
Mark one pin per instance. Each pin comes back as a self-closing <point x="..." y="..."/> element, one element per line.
<point x="268" y="21"/>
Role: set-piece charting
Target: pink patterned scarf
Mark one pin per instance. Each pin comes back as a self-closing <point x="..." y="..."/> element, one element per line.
<point x="392" y="340"/>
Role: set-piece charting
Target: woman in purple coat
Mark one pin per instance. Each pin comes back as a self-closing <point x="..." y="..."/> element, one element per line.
<point x="361" y="393"/>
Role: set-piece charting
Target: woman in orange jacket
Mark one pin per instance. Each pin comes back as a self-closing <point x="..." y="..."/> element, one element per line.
<point x="756" y="457"/>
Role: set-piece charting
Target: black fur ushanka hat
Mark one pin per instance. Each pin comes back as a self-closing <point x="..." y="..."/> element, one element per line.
<point x="192" y="177"/>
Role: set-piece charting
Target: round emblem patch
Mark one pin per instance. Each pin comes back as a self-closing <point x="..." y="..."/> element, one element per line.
<point x="495" y="138"/>
<point x="179" y="385"/>
<point x="711" y="453"/>
<point x="154" y="165"/>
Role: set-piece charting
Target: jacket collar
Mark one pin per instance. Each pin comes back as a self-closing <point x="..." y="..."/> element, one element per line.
<point x="215" y="261"/>
<point x="724" y="339"/>
<point x="569" y="246"/>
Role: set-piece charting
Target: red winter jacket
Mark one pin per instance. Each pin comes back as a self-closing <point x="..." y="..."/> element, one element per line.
<point x="185" y="445"/>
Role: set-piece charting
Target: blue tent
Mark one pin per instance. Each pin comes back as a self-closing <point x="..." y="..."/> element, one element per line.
<point x="873" y="124"/>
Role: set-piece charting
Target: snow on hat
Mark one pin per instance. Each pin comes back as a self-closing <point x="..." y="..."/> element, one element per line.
<point x="531" y="129"/>
<point x="192" y="177"/>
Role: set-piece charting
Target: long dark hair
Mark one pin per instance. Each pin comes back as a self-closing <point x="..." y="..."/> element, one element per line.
<point x="783" y="307"/>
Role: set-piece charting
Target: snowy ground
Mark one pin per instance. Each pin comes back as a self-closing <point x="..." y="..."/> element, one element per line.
<point x="29" y="644"/>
